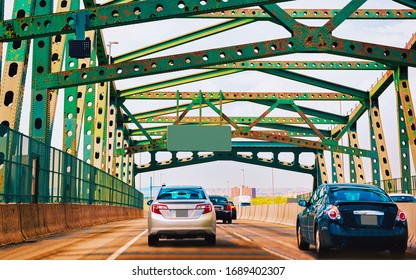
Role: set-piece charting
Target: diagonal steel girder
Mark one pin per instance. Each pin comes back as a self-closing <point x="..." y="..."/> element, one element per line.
<point x="106" y="16"/>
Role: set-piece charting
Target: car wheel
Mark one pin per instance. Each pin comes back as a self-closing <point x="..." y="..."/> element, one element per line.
<point x="302" y="245"/>
<point x="230" y="220"/>
<point x="321" y="251"/>
<point x="152" y="240"/>
<point x="398" y="253"/>
<point x="210" y="239"/>
<point x="224" y="221"/>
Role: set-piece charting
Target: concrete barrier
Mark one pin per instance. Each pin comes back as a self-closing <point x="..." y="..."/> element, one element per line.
<point x="10" y="224"/>
<point x="29" y="220"/>
<point x="20" y="222"/>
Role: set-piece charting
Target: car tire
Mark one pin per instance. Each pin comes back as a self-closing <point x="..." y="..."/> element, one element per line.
<point x="224" y="221"/>
<point x="302" y="245"/>
<point x="321" y="251"/>
<point x="230" y="220"/>
<point x="398" y="253"/>
<point x="210" y="239"/>
<point x="152" y="240"/>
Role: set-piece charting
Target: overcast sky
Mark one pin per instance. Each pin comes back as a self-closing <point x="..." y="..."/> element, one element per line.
<point x="215" y="175"/>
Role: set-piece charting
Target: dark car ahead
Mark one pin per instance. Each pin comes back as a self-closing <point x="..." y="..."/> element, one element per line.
<point x="403" y="197"/>
<point x="351" y="216"/>
<point x="233" y="210"/>
<point x="222" y="208"/>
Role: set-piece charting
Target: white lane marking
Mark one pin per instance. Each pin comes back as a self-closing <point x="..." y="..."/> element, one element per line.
<point x="127" y="245"/>
<point x="277" y="254"/>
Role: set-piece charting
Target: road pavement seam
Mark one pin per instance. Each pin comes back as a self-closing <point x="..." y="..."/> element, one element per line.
<point x="127" y="245"/>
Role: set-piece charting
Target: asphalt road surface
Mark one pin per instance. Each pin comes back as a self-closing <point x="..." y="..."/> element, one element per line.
<point x="127" y="240"/>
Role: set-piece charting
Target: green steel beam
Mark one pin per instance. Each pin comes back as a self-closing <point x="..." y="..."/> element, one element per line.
<point x="219" y="112"/>
<point x="342" y="15"/>
<point x="183" y="39"/>
<point x="370" y="51"/>
<point x="234" y="156"/>
<point x="89" y="116"/>
<point x="404" y="149"/>
<point x="407" y="111"/>
<point x="240" y="120"/>
<point x="40" y="118"/>
<point x="132" y="93"/>
<point x="144" y="132"/>
<point x="15" y="69"/>
<point x="310" y="112"/>
<point x="304" y="65"/>
<point x="171" y="110"/>
<point x="238" y="96"/>
<point x="151" y="66"/>
<point x="280" y="16"/>
<point x="305" y="13"/>
<point x="409" y="3"/>
<point x="281" y="137"/>
<point x="106" y="16"/>
<point x="305" y="118"/>
<point x="290" y="130"/>
<point x="310" y="41"/>
<point x="318" y="82"/>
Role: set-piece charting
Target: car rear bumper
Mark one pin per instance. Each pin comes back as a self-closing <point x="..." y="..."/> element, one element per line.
<point x="177" y="228"/>
<point x="338" y="237"/>
<point x="223" y="215"/>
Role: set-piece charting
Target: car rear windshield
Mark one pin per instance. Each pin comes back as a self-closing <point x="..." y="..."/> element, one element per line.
<point x="181" y="193"/>
<point x="361" y="195"/>
<point x="403" y="198"/>
<point x="218" y="199"/>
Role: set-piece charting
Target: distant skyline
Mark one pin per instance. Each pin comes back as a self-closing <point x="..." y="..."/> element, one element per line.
<point x="218" y="174"/>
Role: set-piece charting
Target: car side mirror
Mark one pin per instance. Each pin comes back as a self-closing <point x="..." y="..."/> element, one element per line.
<point x="303" y="203"/>
<point x="150" y="202"/>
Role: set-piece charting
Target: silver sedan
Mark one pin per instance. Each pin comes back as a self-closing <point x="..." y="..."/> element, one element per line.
<point x="181" y="212"/>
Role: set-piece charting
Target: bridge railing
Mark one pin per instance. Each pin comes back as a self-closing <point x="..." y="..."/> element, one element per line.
<point x="32" y="172"/>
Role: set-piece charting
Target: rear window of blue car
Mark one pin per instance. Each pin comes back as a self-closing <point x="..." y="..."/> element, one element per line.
<point x="360" y="195"/>
<point x="181" y="193"/>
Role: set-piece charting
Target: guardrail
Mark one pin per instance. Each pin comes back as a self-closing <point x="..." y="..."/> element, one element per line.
<point x="32" y="172"/>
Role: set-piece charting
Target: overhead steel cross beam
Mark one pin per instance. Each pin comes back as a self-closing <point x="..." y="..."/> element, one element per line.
<point x="367" y="14"/>
<point x="242" y="96"/>
<point x="106" y="16"/>
<point x="205" y="58"/>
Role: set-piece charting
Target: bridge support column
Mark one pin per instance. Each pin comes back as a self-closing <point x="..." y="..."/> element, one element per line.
<point x="407" y="126"/>
<point x="356" y="163"/>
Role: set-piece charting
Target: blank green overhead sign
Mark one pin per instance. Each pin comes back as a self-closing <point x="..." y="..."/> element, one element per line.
<point x="199" y="138"/>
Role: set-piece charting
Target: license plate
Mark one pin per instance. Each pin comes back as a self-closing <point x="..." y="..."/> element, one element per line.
<point x="218" y="208"/>
<point x="369" y="220"/>
<point x="181" y="213"/>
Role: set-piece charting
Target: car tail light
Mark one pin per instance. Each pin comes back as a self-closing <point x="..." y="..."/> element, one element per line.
<point x="157" y="207"/>
<point x="333" y="212"/>
<point x="401" y="215"/>
<point x="228" y="207"/>
<point x="207" y="208"/>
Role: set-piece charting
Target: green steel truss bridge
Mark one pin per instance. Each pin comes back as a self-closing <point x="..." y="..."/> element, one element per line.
<point x="61" y="46"/>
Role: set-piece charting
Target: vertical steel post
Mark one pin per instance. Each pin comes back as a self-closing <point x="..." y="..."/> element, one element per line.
<point x="407" y="125"/>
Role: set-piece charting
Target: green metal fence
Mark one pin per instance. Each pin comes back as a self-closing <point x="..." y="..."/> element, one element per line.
<point x="32" y="172"/>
